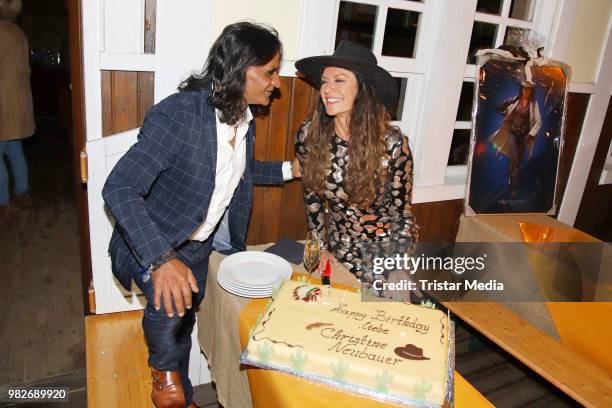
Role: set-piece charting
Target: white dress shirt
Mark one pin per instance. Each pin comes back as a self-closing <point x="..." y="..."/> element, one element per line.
<point x="230" y="167"/>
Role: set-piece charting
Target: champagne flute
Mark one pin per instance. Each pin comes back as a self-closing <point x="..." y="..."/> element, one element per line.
<point x="312" y="252"/>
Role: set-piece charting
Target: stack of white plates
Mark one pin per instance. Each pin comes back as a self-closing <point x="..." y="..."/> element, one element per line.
<point x="253" y="274"/>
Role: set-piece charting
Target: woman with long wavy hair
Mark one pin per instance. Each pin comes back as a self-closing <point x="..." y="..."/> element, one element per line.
<point x="356" y="166"/>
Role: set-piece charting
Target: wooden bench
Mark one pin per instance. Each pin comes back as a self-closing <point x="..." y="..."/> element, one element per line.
<point x="573" y="374"/>
<point x="117" y="370"/>
<point x="563" y="363"/>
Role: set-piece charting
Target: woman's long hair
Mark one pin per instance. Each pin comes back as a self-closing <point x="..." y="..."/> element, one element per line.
<point x="368" y="127"/>
<point x="239" y="46"/>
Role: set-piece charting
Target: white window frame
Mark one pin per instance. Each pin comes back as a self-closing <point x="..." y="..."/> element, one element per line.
<point x="311" y="41"/>
<point x="436" y="75"/>
<point x="319" y="39"/>
<point x="457" y="174"/>
<point x="594" y="117"/>
<point x="606" y="172"/>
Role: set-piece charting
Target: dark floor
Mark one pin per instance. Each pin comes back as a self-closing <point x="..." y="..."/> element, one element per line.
<point x="75" y="381"/>
<point x="502" y="379"/>
<point x="204" y="395"/>
<point x="42" y="331"/>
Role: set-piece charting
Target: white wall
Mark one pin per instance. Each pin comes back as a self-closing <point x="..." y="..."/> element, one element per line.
<point x="588" y="38"/>
<point x="284" y="15"/>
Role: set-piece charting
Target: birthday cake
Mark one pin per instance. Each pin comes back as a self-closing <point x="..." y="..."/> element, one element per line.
<point x="392" y="351"/>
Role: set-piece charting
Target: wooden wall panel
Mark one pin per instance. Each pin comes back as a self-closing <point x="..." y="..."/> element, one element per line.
<point x="279" y="211"/>
<point x="124" y="89"/>
<point x="256" y="223"/>
<point x="150" y="26"/>
<point x="145" y="94"/>
<point x="438" y="221"/>
<point x="126" y="97"/>
<point x="595" y="212"/>
<point x="296" y="226"/>
<point x="278" y="139"/>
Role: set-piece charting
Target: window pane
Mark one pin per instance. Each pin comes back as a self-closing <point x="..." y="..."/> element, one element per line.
<point x="514" y="34"/>
<point x="401" y="30"/>
<point x="464" y="112"/>
<point x="401" y="91"/>
<point x="460" y="147"/>
<point x="356" y="23"/>
<point x="489" y="6"/>
<point x="522" y="9"/>
<point x="483" y="36"/>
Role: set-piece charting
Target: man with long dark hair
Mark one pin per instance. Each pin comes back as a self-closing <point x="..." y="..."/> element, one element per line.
<point x="185" y="188"/>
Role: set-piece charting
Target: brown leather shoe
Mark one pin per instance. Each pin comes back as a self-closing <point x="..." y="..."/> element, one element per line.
<point x="167" y="389"/>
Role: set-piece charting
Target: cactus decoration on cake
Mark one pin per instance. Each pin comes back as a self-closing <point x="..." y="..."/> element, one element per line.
<point x="298" y="359"/>
<point x="428" y="304"/>
<point x="274" y="292"/>
<point x="383" y="381"/>
<point x="421" y="389"/>
<point x="265" y="352"/>
<point x="253" y="328"/>
<point x="340" y="369"/>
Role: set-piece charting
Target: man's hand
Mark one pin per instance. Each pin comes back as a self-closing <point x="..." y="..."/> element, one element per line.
<point x="327" y="256"/>
<point x="173" y="280"/>
<point x="296" y="170"/>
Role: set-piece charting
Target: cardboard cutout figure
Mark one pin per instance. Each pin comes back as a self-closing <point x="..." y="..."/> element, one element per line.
<point x="517" y="135"/>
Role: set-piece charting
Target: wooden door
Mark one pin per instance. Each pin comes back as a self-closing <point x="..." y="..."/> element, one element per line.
<point x="135" y="53"/>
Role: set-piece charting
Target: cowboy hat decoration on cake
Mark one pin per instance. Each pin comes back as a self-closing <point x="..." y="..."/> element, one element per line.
<point x="355" y="58"/>
<point x="410" y="352"/>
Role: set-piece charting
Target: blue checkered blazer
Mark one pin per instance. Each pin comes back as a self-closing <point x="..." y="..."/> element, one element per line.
<point x="160" y="190"/>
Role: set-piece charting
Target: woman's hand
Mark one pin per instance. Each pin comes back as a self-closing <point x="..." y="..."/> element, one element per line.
<point x="327" y="256"/>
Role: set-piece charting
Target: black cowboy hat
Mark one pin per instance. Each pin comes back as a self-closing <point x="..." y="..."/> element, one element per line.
<point x="355" y="58"/>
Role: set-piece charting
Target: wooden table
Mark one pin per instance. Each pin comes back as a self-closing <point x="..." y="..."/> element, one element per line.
<point x="578" y="363"/>
<point x="219" y="326"/>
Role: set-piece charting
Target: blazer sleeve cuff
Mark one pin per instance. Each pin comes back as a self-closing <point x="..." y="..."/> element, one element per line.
<point x="152" y="245"/>
<point x="287" y="174"/>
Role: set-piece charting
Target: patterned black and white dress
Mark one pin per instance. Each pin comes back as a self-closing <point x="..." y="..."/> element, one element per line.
<point x="351" y="229"/>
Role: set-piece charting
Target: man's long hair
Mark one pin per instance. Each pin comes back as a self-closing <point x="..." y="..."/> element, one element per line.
<point x="239" y="46"/>
<point x="368" y="126"/>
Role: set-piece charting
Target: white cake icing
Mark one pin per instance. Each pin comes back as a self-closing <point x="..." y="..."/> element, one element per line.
<point x="390" y="350"/>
